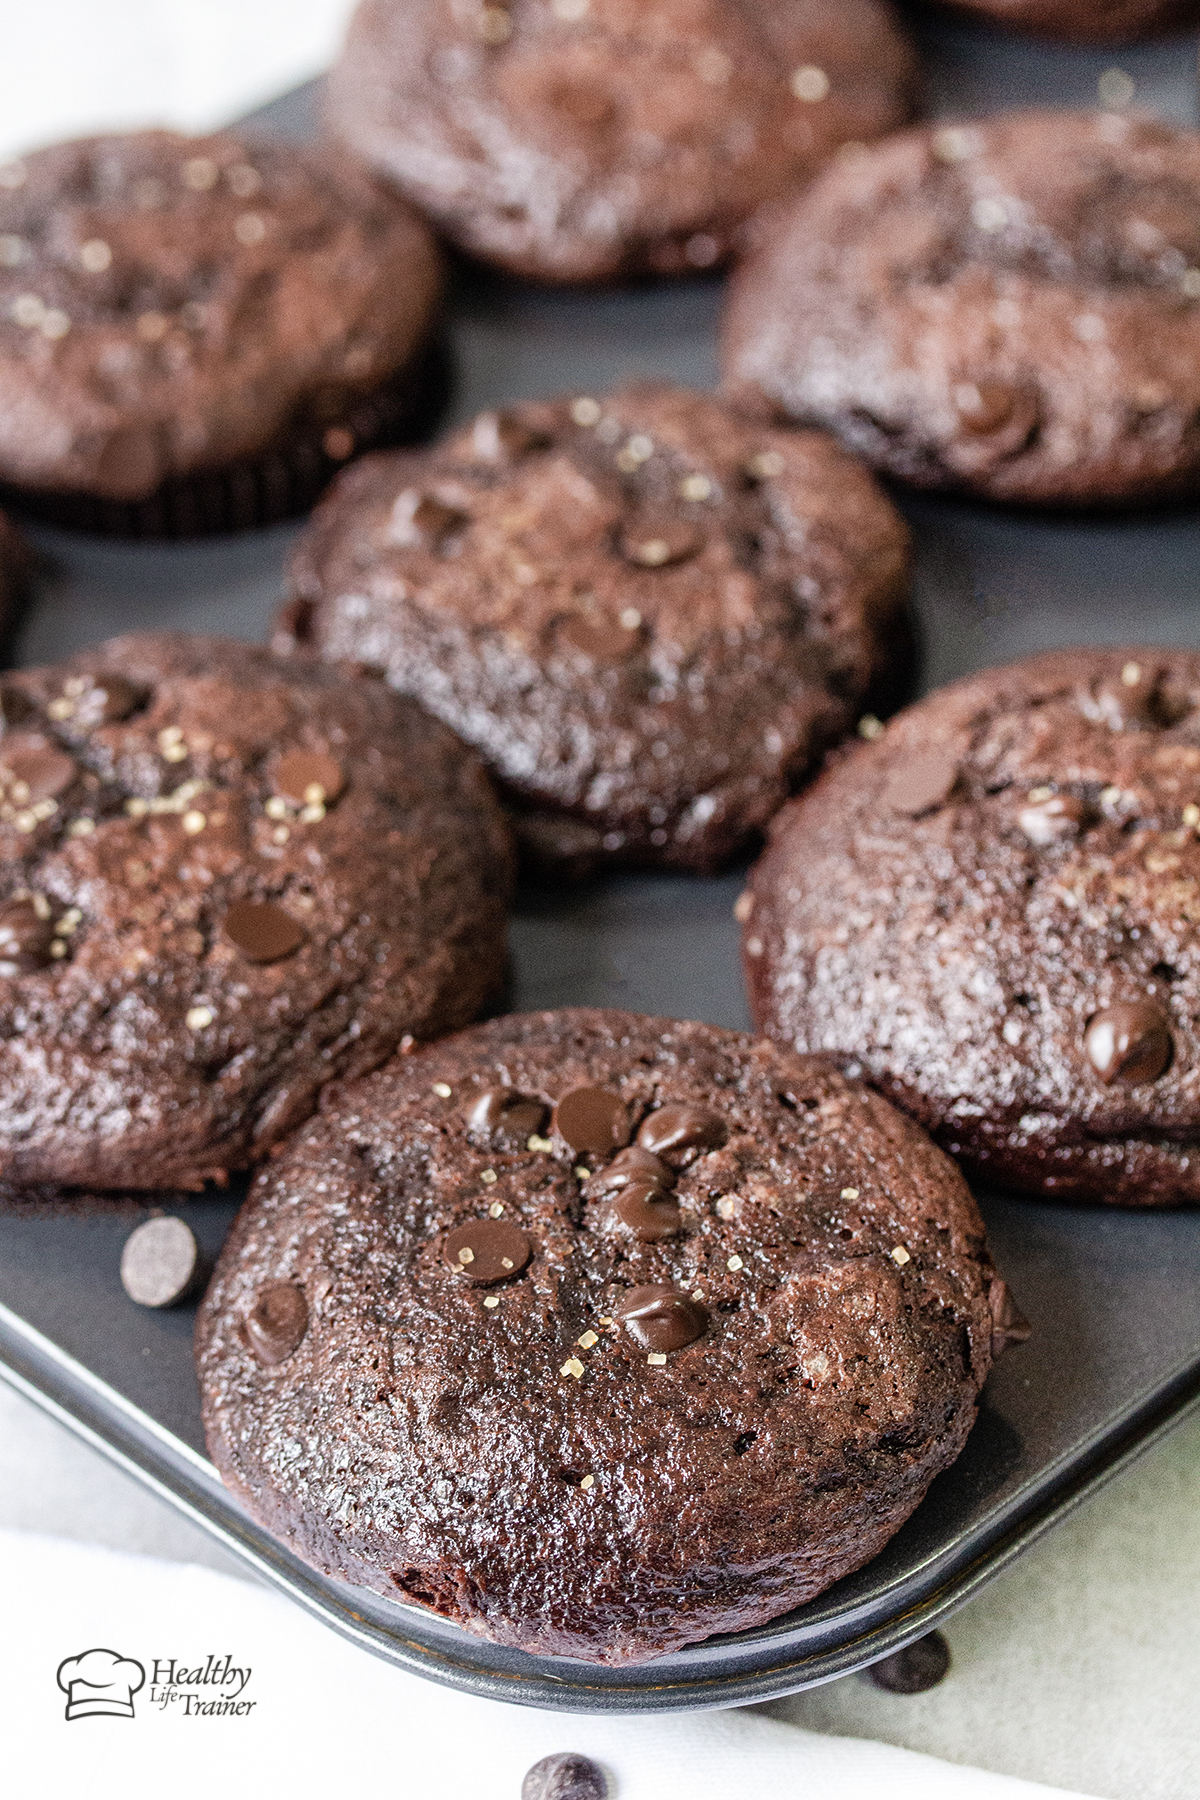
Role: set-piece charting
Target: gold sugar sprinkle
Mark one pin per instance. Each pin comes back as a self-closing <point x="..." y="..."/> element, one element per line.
<point x="280" y="835"/>
<point x="1131" y="674"/>
<point x="726" y="1207"/>
<point x="312" y="815"/>
<point x="60" y="709"/>
<point x="194" y="822"/>
<point x="488" y="1177"/>
<point x="539" y="1143"/>
<point x="197" y="1017"/>
<point x="572" y="1367"/>
<point x="466" y="1255"/>
<point x="586" y="1482"/>
<point x="900" y="1256"/>
<point x="442" y="1089"/>
<point x="276" y="808"/>
<point x="695" y="487"/>
<point x="1191" y="815"/>
<point x="849" y="1193"/>
<point x="810" y="83"/>
<point x="656" y="1359"/>
<point x="491" y="1302"/>
<point x="582" y="1173"/>
<point x="81" y="827"/>
<point x="605" y="1321"/>
<point x="587" y="1340"/>
<point x="869" y="727"/>
<point x="496" y="1210"/>
<point x="586" y="411"/>
<point x="735" y="1263"/>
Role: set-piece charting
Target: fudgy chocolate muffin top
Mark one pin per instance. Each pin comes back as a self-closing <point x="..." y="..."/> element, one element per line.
<point x="576" y="140"/>
<point x="992" y="913"/>
<point x="1009" y="307"/>
<point x="171" y="305"/>
<point x="648" y="614"/>
<point x="223" y="881"/>
<point x="629" y="1331"/>
<point x="1084" y="21"/>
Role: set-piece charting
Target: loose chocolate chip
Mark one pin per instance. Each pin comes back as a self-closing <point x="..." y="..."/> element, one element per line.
<point x="657" y="543"/>
<point x="602" y="639"/>
<point x="109" y="700"/>
<point x="1009" y="1324"/>
<point x="262" y="931"/>
<point x="984" y="406"/>
<point x="920" y="782"/>
<point x="503" y="436"/>
<point x="487" y="1251"/>
<point x="505" y="1118"/>
<point x="277" y="1322"/>
<point x="424" y="521"/>
<point x="565" y="1777"/>
<point x="661" y="1318"/>
<point x="26" y="939"/>
<point x="682" y="1128"/>
<point x="914" y="1669"/>
<point x="160" y="1264"/>
<point x="37" y="767"/>
<point x="591" y="1120"/>
<point x="1130" y="1042"/>
<point x="646" y="1211"/>
<point x="1053" y="820"/>
<point x="634" y="1164"/>
<point x="308" y="776"/>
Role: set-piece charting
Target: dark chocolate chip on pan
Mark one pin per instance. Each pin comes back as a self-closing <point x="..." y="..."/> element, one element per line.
<point x="914" y="1669"/>
<point x="1009" y="1324"/>
<point x="161" y="1263"/>
<point x="277" y="1322"/>
<point x="506" y="1118"/>
<point x="27" y="937"/>
<point x="487" y="1251"/>
<point x="920" y="781"/>
<point x="565" y="1777"/>
<point x="1129" y="1043"/>
<point x="308" y="777"/>
<point x="662" y="1319"/>
<point x="592" y="1121"/>
<point x="262" y="931"/>
<point x="682" y="1128"/>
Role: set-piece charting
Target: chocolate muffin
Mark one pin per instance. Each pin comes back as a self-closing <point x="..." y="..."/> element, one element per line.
<point x="578" y="140"/>
<point x="630" y="1331"/>
<point x="1008" y="308"/>
<point x="195" y="332"/>
<point x="991" y="912"/>
<point x="648" y="614"/>
<point x="1084" y="21"/>
<point x="224" y="882"/>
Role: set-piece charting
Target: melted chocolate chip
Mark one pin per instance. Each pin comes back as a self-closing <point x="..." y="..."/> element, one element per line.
<point x="984" y="406"/>
<point x="646" y="1211"/>
<point x="682" y="1128"/>
<point x="565" y="1777"/>
<point x="914" y="1669"/>
<point x="1130" y="1042"/>
<point x="277" y="1322"/>
<point x="503" y="436"/>
<point x="657" y="543"/>
<point x="592" y="1121"/>
<point x="602" y="639"/>
<point x="506" y="1118"/>
<point x="632" y="1165"/>
<point x="308" y="777"/>
<point x="1053" y="820"/>
<point x="921" y="781"/>
<point x="661" y="1318"/>
<point x="487" y="1251"/>
<point x="38" y="769"/>
<point x="26" y="940"/>
<point x="262" y="931"/>
<point x="109" y="700"/>
<point x="423" y="521"/>
<point x="1009" y="1324"/>
<point x="161" y="1263"/>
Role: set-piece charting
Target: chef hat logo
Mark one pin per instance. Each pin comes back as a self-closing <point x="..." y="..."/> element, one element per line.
<point x="100" y="1681"/>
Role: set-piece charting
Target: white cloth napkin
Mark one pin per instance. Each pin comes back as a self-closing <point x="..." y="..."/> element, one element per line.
<point x="328" y="1718"/>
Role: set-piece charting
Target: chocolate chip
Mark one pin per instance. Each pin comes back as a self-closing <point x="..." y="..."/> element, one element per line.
<point x="15" y="707"/>
<point x="634" y="1164"/>
<point x="920" y="781"/>
<point x="1009" y="1324"/>
<point x="657" y="543"/>
<point x="661" y="1318"/>
<point x="308" y="777"/>
<point x="109" y="700"/>
<point x="592" y="1121"/>
<point x="646" y="1211"/>
<point x="1130" y="1042"/>
<point x="914" y="1669"/>
<point x="1130" y="703"/>
<point x="682" y="1128"/>
<point x="262" y="931"/>
<point x="161" y="1263"/>
<point x="565" y="1777"/>
<point x="503" y="436"/>
<point x="984" y="406"/>
<point x="423" y="521"/>
<point x="1053" y="820"/>
<point x="505" y="1118"/>
<point x="276" y="1324"/>
<point x="26" y="939"/>
<point x="38" y="768"/>
<point x="600" y="638"/>
<point x="487" y="1251"/>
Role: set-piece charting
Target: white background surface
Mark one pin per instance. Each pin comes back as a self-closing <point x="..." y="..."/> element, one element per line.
<point x="1081" y="1666"/>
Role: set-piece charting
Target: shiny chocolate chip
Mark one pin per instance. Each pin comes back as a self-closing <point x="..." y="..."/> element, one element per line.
<point x="634" y="1164"/>
<point x="1009" y="1324"/>
<point x="423" y="521"/>
<point x="915" y="1669"/>
<point x="984" y="406"/>
<point x="658" y="543"/>
<point x="109" y="700"/>
<point x="592" y="1121"/>
<point x="564" y="1776"/>
<point x="920" y="781"/>
<point x="661" y="1318"/>
<point x="1053" y="820"/>
<point x="26" y="939"/>
<point x="160" y="1263"/>
<point x="1130" y="702"/>
<point x="487" y="1251"/>
<point x="682" y="1128"/>
<point x="506" y="1118"/>
<point x="308" y="777"/>
<point x="645" y="1210"/>
<point x="503" y="436"/>
<point x="1130" y="1042"/>
<point x="277" y="1322"/>
<point x="39" y="770"/>
<point x="599" y="637"/>
<point x="262" y="931"/>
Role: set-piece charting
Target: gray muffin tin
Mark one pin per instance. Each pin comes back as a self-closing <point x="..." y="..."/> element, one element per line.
<point x="1114" y="1297"/>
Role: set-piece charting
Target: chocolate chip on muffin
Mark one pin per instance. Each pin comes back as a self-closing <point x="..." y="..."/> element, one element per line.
<point x="190" y="949"/>
<point x="569" y="1433"/>
<point x="1018" y="964"/>
<point x="648" y="614"/>
<point x="1009" y="307"/>
<point x="584" y="139"/>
